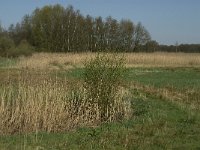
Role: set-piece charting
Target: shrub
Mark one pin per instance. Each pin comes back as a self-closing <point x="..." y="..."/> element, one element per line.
<point x="23" y="49"/>
<point x="102" y="81"/>
<point x="5" y="44"/>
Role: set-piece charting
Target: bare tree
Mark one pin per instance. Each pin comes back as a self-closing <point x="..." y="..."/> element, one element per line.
<point x="141" y="36"/>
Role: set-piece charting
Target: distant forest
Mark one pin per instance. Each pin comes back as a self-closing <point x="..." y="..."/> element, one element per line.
<point x="54" y="28"/>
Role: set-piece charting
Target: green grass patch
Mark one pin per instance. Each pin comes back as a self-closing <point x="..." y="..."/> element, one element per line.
<point x="77" y="73"/>
<point x="180" y="78"/>
<point x="7" y="62"/>
<point x="155" y="124"/>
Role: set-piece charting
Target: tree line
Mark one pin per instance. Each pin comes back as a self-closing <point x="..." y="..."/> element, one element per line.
<point x="153" y="46"/>
<point x="57" y="29"/>
<point x="54" y="28"/>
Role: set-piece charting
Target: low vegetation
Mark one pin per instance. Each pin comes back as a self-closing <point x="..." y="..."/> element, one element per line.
<point x="52" y="61"/>
<point x="9" y="50"/>
<point x="33" y="103"/>
<point x="151" y="102"/>
<point x="103" y="85"/>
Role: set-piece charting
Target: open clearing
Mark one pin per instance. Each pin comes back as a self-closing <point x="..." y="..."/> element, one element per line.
<point x="165" y="100"/>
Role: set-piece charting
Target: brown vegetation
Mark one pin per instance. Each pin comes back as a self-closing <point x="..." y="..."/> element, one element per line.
<point x="186" y="97"/>
<point x="36" y="101"/>
<point x="70" y="60"/>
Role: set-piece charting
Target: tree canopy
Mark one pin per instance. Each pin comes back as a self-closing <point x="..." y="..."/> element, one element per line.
<point x="58" y="29"/>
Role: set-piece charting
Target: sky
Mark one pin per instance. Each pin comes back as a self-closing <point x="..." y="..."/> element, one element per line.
<point x="168" y="21"/>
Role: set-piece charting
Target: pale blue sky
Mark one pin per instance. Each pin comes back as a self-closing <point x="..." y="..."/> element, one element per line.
<point x="168" y="21"/>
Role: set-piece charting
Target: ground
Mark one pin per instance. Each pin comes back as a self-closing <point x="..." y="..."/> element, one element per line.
<point x="165" y="101"/>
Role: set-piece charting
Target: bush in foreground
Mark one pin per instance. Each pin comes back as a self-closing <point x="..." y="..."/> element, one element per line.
<point x="103" y="82"/>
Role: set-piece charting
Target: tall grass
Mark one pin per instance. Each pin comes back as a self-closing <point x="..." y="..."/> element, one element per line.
<point x="69" y="60"/>
<point x="33" y="103"/>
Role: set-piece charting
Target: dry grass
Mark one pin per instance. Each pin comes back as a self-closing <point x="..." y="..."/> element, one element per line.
<point x="53" y="60"/>
<point x="36" y="102"/>
<point x="70" y="60"/>
<point x="162" y="59"/>
<point x="43" y="103"/>
<point x="187" y="97"/>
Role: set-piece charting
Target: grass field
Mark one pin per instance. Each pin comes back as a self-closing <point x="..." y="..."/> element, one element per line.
<point x="165" y="101"/>
<point x="71" y="60"/>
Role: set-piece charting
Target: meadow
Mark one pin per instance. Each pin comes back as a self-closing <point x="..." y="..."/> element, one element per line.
<point x="43" y="103"/>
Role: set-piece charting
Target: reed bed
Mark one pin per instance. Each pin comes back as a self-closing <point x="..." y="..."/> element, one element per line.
<point x="43" y="103"/>
<point x="51" y="61"/>
<point x="70" y="60"/>
<point x="163" y="59"/>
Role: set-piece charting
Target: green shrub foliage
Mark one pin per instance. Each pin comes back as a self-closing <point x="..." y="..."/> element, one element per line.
<point x="5" y="44"/>
<point x="23" y="49"/>
<point x="103" y="78"/>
